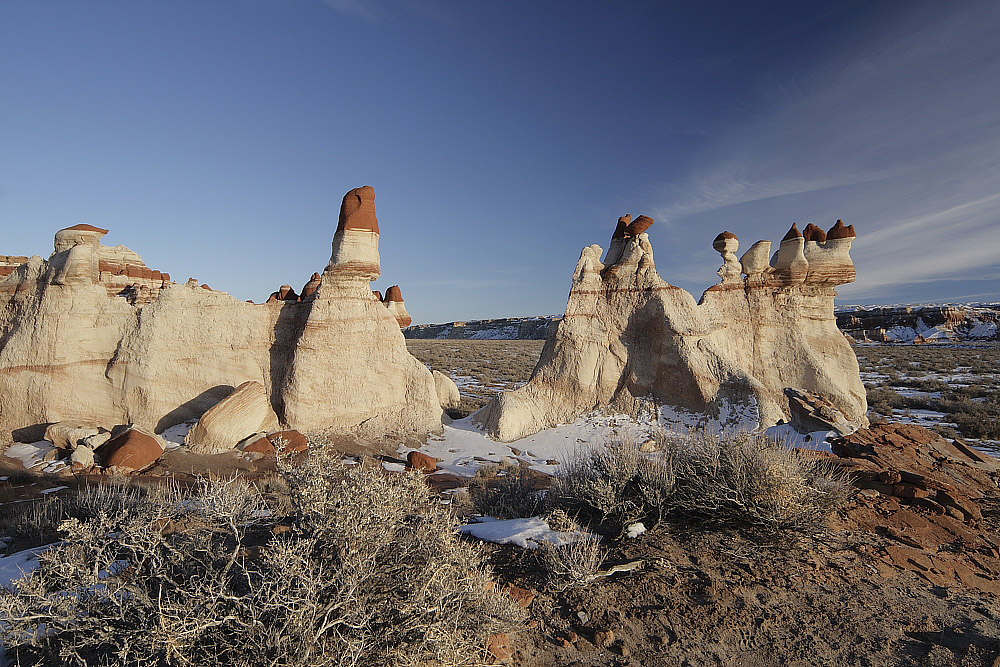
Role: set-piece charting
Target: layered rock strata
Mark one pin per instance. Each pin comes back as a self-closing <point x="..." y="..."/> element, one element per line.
<point x="244" y="412"/>
<point x="337" y="362"/>
<point x="631" y="341"/>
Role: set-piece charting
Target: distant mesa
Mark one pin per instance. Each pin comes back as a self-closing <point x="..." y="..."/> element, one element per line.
<point x="146" y="351"/>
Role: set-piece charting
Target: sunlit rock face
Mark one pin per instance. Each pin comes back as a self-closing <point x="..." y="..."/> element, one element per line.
<point x="77" y="345"/>
<point x="631" y="341"/>
<point x="394" y="302"/>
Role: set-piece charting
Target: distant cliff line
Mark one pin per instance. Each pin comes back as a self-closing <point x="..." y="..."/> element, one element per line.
<point x="928" y="323"/>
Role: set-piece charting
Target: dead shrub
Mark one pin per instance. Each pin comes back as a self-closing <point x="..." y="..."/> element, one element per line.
<point x="572" y="564"/>
<point x="613" y="486"/>
<point x="701" y="479"/>
<point x="507" y="494"/>
<point x="743" y="479"/>
<point x="371" y="573"/>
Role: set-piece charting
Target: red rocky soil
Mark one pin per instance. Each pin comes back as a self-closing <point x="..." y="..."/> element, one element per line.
<point x="907" y="574"/>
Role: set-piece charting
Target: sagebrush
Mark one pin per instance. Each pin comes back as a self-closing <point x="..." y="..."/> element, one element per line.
<point x="737" y="479"/>
<point x="363" y="569"/>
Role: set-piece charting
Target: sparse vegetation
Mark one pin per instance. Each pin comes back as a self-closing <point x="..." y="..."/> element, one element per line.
<point x="506" y="493"/>
<point x="958" y="381"/>
<point x="574" y="563"/>
<point x="487" y="366"/>
<point x="701" y="479"/>
<point x="359" y="568"/>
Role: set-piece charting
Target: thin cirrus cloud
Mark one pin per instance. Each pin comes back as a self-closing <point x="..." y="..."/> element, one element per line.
<point x="898" y="132"/>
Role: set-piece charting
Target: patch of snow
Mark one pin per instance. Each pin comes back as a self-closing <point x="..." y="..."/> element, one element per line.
<point x="525" y="533"/>
<point x="464" y="447"/>
<point x="906" y="392"/>
<point x="174" y="436"/>
<point x="900" y="334"/>
<point x="635" y="530"/>
<point x="789" y="437"/>
<point x="15" y="566"/>
<point x="32" y="455"/>
<point x="982" y="330"/>
<point x="393" y="467"/>
<point x="53" y="490"/>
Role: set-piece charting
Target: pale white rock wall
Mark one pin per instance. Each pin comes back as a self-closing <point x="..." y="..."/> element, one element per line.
<point x="447" y="391"/>
<point x="631" y="341"/>
<point x="70" y="351"/>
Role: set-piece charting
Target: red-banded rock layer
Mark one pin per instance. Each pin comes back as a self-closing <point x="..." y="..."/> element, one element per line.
<point x="355" y="244"/>
<point x="394" y="302"/>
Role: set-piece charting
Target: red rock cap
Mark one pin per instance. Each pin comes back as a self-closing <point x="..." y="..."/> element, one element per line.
<point x="378" y="295"/>
<point x="358" y="210"/>
<point x="720" y="241"/>
<point x="814" y="233"/>
<point x="639" y="225"/>
<point x="839" y="231"/>
<point x="793" y="233"/>
<point x="394" y="294"/>
<point x="83" y="227"/>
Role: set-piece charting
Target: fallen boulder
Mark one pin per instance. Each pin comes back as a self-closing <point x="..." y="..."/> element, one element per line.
<point x="131" y="451"/>
<point x="232" y="419"/>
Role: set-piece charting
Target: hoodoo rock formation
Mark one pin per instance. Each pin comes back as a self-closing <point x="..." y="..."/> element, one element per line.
<point x="631" y="341"/>
<point x="394" y="302"/>
<point x="74" y="347"/>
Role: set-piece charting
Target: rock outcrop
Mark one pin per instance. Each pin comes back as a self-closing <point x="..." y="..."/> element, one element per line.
<point x="447" y="391"/>
<point x="633" y="342"/>
<point x="73" y="349"/>
<point x="394" y="302"/>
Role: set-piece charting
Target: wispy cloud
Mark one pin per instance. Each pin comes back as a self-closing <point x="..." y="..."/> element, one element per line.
<point x="899" y="132"/>
<point x="959" y="240"/>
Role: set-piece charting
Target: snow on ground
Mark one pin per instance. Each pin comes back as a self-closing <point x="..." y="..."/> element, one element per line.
<point x="525" y="533"/>
<point x="14" y="566"/>
<point x="789" y="437"/>
<point x="32" y="456"/>
<point x="174" y="436"/>
<point x="463" y="448"/>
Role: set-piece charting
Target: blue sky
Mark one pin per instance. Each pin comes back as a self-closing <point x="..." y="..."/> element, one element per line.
<point x="217" y="138"/>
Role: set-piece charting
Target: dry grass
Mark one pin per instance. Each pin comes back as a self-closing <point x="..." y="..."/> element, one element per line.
<point x="484" y="367"/>
<point x="365" y="571"/>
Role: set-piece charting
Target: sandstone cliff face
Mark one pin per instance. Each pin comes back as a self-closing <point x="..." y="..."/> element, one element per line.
<point x="76" y="347"/>
<point x="632" y="341"/>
